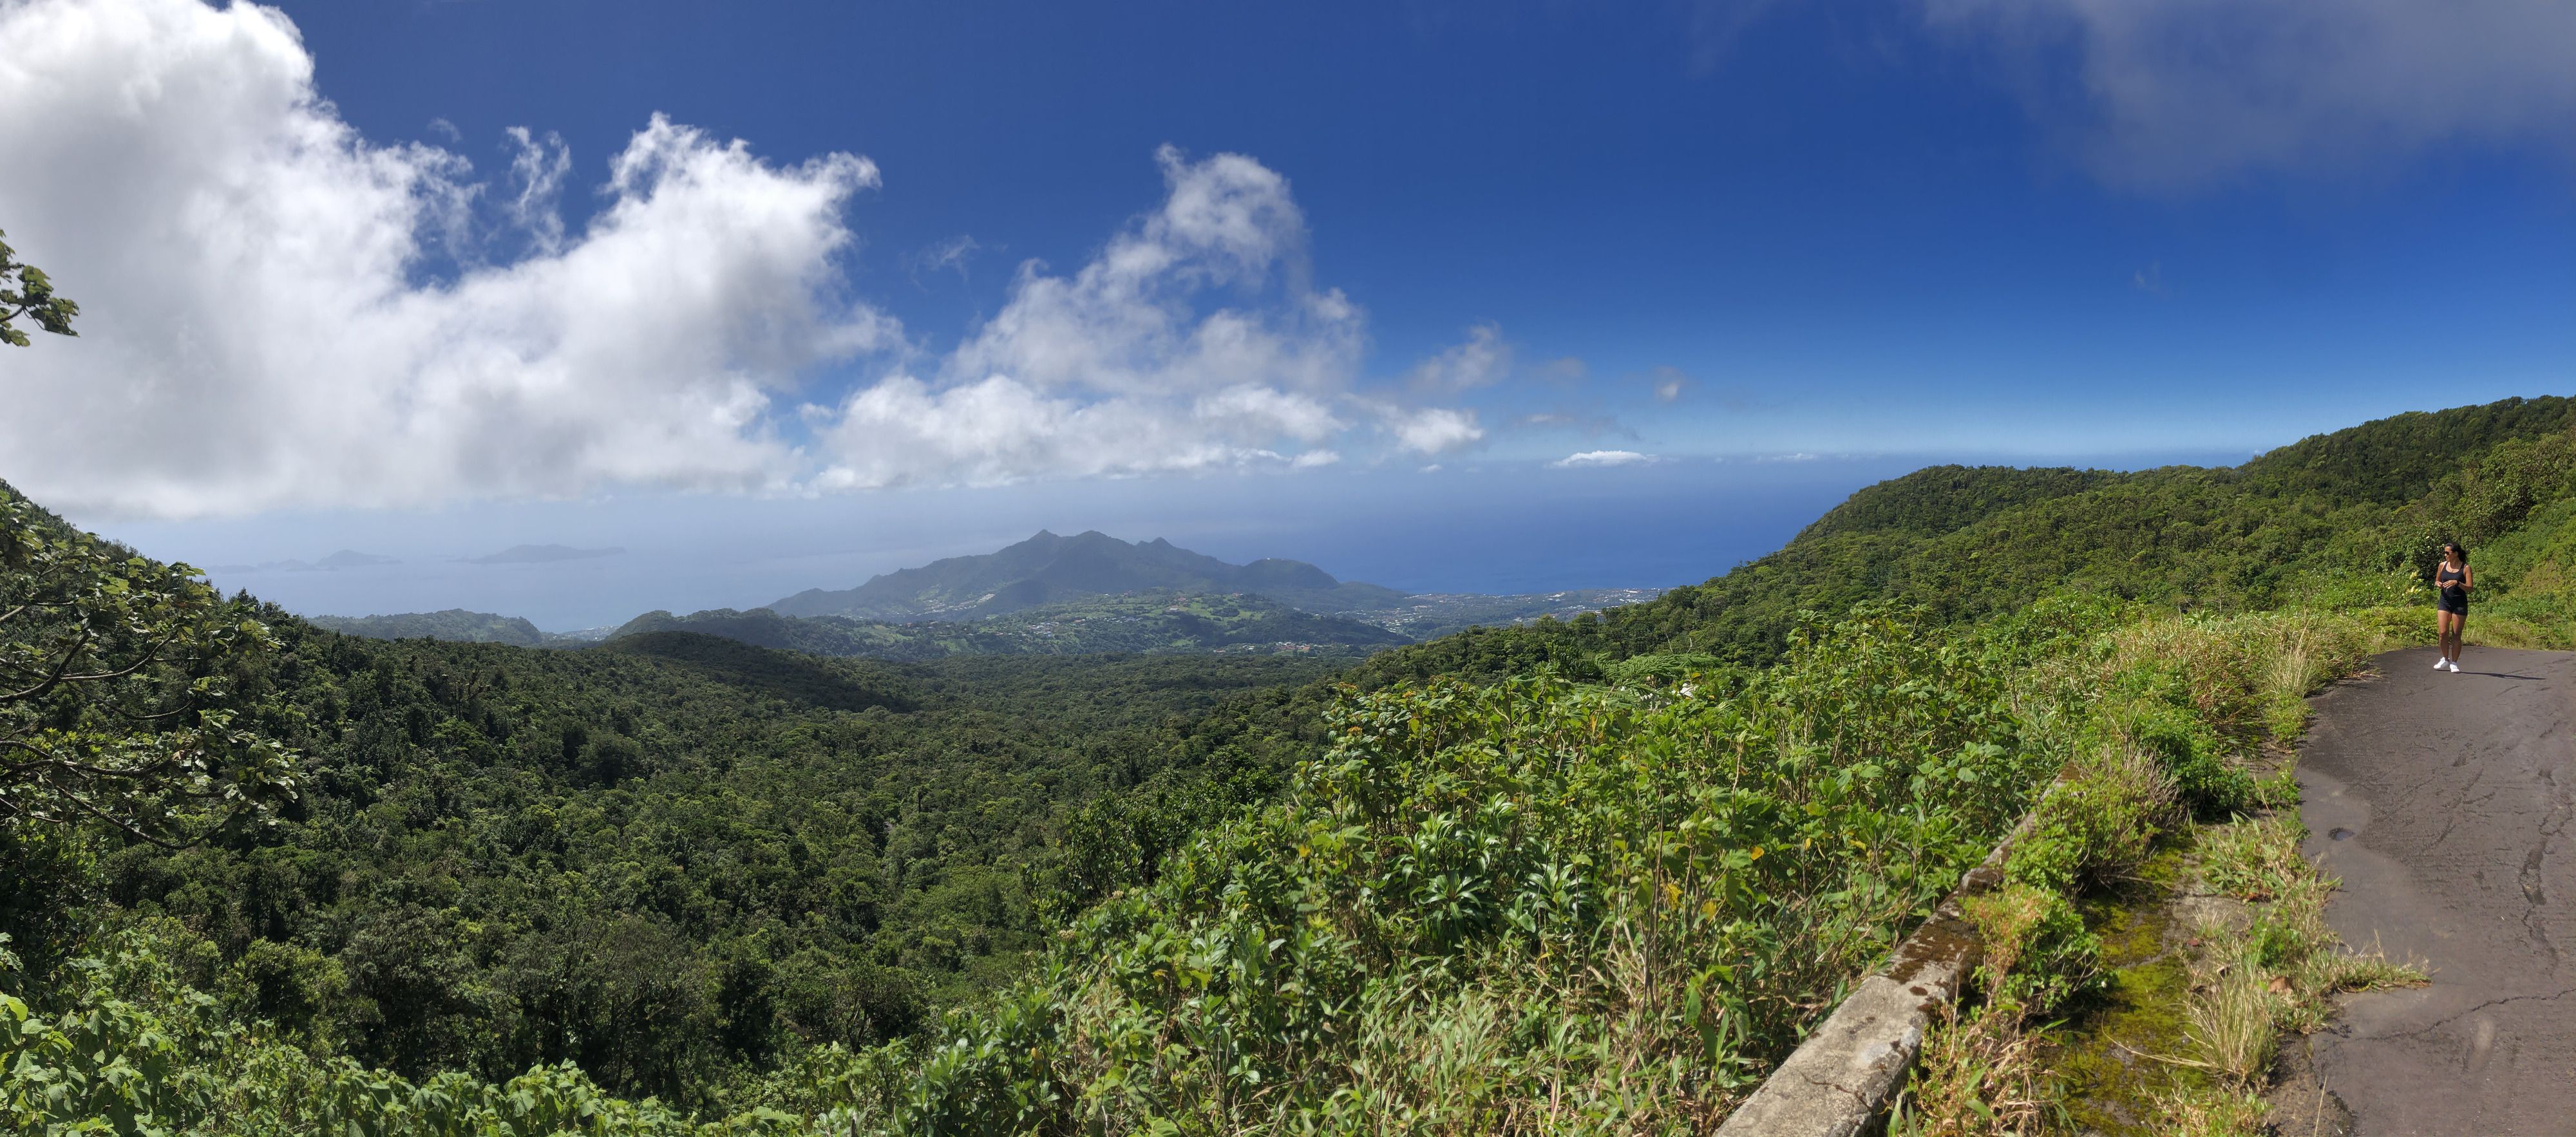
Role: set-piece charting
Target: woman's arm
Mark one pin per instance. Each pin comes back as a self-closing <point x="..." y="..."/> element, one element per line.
<point x="2468" y="579"/>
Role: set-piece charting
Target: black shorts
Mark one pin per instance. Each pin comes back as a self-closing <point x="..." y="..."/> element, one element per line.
<point x="2459" y="607"/>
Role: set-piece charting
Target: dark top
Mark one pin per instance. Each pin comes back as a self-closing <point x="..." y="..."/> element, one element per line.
<point x="2447" y="598"/>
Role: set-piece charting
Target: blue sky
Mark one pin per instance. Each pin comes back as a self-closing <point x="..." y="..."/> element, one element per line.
<point x="1478" y="237"/>
<point x="1841" y="202"/>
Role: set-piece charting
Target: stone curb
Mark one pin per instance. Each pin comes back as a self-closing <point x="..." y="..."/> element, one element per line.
<point x="1838" y="1081"/>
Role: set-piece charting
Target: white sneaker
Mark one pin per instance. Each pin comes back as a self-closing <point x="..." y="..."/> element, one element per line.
<point x="2455" y="667"/>
<point x="2440" y="664"/>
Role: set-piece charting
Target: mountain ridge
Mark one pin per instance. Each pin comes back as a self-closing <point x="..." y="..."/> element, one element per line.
<point x="1049" y="569"/>
<point x="453" y="624"/>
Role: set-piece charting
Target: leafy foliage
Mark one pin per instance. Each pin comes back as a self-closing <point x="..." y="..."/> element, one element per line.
<point x="26" y="292"/>
<point x="117" y="676"/>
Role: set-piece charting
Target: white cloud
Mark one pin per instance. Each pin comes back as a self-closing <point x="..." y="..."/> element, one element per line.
<point x="1432" y="430"/>
<point x="260" y="329"/>
<point x="1483" y="359"/>
<point x="252" y="331"/>
<point x="1600" y="458"/>
<point x="2180" y="93"/>
<point x="1190" y="344"/>
<point x="1124" y="368"/>
<point x="1129" y="323"/>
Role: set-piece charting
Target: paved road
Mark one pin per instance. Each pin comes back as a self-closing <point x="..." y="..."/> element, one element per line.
<point x="2443" y="802"/>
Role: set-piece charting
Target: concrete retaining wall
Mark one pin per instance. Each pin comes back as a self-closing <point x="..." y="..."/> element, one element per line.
<point x="1839" y="1081"/>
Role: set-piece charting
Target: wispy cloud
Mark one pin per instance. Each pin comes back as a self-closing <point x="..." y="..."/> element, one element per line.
<point x="1591" y="424"/>
<point x="539" y="167"/>
<point x="2180" y="94"/>
<point x="1482" y="359"/>
<point x="1669" y="383"/>
<point x="951" y="255"/>
<point x="1714" y="26"/>
<point x="1564" y="372"/>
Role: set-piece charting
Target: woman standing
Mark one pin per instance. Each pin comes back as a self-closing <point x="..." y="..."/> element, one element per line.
<point x="2451" y="584"/>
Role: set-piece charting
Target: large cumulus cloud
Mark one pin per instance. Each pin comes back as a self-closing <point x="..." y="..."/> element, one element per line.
<point x="258" y="329"/>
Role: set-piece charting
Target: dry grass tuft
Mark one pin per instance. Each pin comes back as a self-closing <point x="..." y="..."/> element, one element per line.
<point x="1981" y="1076"/>
<point x="2232" y="1011"/>
<point x="2201" y="1114"/>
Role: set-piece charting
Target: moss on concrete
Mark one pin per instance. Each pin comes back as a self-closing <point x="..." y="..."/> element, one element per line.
<point x="2105" y="1047"/>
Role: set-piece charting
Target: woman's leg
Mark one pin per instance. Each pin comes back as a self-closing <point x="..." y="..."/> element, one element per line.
<point x="2448" y="624"/>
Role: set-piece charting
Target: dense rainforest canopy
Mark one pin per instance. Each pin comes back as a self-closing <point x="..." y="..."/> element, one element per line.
<point x="683" y="863"/>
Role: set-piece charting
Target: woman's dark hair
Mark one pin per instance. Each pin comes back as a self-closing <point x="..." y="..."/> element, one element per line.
<point x="2448" y="546"/>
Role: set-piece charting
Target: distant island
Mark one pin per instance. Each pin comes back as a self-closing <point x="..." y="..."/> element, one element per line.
<point x="1048" y="595"/>
<point x="344" y="559"/>
<point x="1048" y="569"/>
<point x="540" y="554"/>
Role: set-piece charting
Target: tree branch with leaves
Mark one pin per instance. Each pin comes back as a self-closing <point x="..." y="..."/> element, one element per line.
<point x="25" y="292"/>
<point x="115" y="701"/>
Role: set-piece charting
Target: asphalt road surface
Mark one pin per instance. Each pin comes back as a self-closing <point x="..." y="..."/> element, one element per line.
<point x="2443" y="802"/>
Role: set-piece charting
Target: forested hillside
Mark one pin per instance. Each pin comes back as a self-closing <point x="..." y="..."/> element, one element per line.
<point x="452" y="624"/>
<point x="668" y="858"/>
<point x="1590" y="873"/>
<point x="2334" y="514"/>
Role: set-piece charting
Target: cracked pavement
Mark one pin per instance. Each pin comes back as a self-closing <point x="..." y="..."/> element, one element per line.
<point x="2443" y="802"/>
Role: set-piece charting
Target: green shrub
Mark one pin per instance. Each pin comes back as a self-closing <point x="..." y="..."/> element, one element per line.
<point x="1668" y="670"/>
<point x="2098" y="822"/>
<point x="2411" y="624"/>
<point x="2037" y="952"/>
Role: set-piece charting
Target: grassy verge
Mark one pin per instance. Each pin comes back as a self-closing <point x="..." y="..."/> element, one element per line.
<point x="2080" y="988"/>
